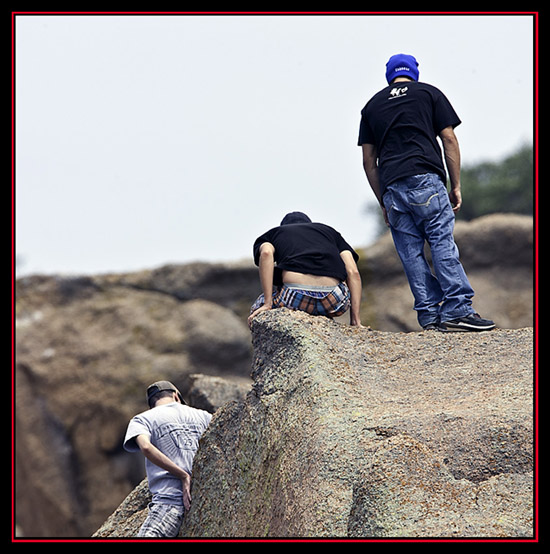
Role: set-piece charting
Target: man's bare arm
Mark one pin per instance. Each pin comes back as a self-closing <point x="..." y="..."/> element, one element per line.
<point x="355" y="287"/>
<point x="451" y="151"/>
<point x="370" y="165"/>
<point x="266" y="266"/>
<point x="154" y="455"/>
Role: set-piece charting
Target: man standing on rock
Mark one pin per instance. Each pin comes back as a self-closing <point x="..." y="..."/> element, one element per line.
<point x="168" y="436"/>
<point x="404" y="166"/>
<point x="316" y="270"/>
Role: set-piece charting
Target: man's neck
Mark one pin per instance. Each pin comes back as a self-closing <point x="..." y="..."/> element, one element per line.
<point x="400" y="79"/>
<point x="163" y="401"/>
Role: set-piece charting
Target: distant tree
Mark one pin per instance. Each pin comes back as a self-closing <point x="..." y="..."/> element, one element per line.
<point x="505" y="186"/>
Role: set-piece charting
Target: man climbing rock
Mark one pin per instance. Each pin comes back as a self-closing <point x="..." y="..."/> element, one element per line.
<point x="168" y="436"/>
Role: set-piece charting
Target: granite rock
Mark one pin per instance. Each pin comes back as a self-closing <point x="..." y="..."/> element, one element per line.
<point x="349" y="432"/>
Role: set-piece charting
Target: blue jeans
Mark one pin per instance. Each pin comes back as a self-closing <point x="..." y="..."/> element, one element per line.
<point x="419" y="210"/>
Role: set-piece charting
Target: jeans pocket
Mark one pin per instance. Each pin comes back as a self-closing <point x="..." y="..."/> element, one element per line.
<point x="424" y="202"/>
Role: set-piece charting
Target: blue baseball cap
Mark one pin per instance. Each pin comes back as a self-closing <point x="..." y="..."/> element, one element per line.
<point x="401" y="65"/>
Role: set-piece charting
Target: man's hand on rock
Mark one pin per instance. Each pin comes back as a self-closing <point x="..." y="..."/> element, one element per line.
<point x="261" y="309"/>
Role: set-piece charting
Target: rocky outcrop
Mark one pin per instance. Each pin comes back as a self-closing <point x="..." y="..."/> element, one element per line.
<point x="350" y="432"/>
<point x="87" y="346"/>
<point x="86" y="351"/>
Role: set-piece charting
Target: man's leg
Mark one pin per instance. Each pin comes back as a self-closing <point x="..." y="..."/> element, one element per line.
<point x="409" y="244"/>
<point x="163" y="520"/>
<point x="436" y="217"/>
<point x="455" y="286"/>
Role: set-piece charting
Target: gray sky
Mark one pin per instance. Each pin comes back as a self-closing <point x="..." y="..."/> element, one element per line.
<point x="145" y="140"/>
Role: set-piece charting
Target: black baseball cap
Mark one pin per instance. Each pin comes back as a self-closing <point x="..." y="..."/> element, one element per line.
<point x="295" y="217"/>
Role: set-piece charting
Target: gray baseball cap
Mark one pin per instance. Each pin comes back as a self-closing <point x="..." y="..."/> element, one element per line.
<point x="160" y="386"/>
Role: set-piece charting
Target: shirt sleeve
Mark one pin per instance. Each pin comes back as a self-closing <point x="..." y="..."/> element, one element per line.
<point x="343" y="245"/>
<point x="366" y="136"/>
<point x="137" y="426"/>
<point x="266" y="237"/>
<point x="444" y="114"/>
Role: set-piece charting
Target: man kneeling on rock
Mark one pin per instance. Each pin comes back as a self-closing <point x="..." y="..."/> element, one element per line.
<point x="316" y="270"/>
<point x="168" y="435"/>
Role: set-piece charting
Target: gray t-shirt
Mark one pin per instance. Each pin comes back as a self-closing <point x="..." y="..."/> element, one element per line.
<point x="175" y="429"/>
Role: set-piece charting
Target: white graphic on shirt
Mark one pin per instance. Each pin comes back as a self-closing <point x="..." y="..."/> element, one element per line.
<point x="173" y="438"/>
<point x="398" y="92"/>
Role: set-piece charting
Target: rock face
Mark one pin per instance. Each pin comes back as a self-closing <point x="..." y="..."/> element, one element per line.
<point x="86" y="348"/>
<point x="350" y="432"/>
<point x="86" y="351"/>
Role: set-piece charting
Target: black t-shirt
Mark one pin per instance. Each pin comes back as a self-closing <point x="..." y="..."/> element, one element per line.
<point x="403" y="121"/>
<point x="311" y="248"/>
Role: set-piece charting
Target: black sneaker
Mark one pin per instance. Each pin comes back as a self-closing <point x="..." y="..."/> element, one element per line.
<point x="472" y="322"/>
<point x="432" y="327"/>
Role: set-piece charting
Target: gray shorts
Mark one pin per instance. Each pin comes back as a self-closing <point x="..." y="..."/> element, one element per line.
<point x="163" y="520"/>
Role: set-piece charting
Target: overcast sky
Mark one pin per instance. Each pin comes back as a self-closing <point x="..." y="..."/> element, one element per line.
<point x="146" y="140"/>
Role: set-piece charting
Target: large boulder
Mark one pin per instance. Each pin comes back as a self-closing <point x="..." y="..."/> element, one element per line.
<point x="349" y="432"/>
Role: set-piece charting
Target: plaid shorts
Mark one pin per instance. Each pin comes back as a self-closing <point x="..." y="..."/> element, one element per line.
<point x="163" y="520"/>
<point x="327" y="301"/>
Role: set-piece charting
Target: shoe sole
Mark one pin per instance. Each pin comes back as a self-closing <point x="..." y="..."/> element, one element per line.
<point x="465" y="327"/>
